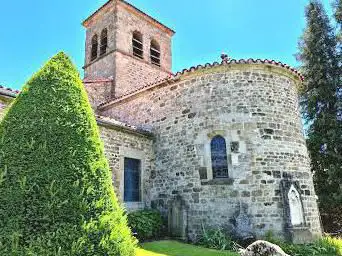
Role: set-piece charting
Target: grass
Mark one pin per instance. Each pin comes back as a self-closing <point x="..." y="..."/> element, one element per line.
<point x="173" y="248"/>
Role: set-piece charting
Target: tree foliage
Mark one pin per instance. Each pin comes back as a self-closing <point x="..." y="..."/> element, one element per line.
<point x="56" y="194"/>
<point x="320" y="66"/>
<point x="338" y="14"/>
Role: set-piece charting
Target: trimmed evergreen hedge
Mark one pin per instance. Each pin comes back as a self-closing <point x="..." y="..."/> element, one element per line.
<point x="56" y="193"/>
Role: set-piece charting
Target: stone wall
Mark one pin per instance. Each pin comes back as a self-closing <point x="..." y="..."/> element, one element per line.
<point x="120" y="143"/>
<point x="134" y="73"/>
<point x="4" y="102"/>
<point x="128" y="22"/>
<point x="2" y="108"/>
<point x="129" y="72"/>
<point x="98" y="92"/>
<point x="102" y="67"/>
<point x="254" y="105"/>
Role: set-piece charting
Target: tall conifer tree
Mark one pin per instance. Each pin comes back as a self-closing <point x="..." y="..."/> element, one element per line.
<point x="338" y="15"/>
<point x="320" y="103"/>
<point x="338" y="18"/>
<point x="56" y="193"/>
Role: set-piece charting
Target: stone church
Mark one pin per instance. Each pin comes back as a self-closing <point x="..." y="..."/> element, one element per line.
<point x="216" y="145"/>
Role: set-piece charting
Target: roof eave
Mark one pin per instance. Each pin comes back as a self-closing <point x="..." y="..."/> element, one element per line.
<point x="86" y="22"/>
<point x="7" y="93"/>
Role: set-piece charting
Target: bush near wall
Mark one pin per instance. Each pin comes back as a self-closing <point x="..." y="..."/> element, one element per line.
<point x="216" y="238"/>
<point x="327" y="246"/>
<point x="146" y="224"/>
<point x="56" y="193"/>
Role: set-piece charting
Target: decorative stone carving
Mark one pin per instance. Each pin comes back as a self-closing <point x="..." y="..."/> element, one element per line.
<point x="178" y="218"/>
<point x="293" y="206"/>
<point x="243" y="227"/>
<point x="295" y="227"/>
<point x="234" y="147"/>
<point x="296" y="207"/>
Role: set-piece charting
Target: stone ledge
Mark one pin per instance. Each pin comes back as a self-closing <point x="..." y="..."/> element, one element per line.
<point x="228" y="181"/>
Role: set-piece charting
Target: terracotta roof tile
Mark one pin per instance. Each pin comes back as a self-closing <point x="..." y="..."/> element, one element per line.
<point x="242" y="61"/>
<point x="176" y="76"/>
<point x="92" y="81"/>
<point x="8" y="91"/>
<point x="115" y="123"/>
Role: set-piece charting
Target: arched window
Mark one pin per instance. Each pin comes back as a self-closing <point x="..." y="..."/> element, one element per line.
<point x="137" y="43"/>
<point x="155" y="53"/>
<point x="219" y="157"/>
<point x="94" y="46"/>
<point x="104" y="42"/>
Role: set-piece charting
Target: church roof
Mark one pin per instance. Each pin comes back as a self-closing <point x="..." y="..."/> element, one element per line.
<point x="175" y="77"/>
<point x="107" y="121"/>
<point x="133" y="8"/>
<point x="5" y="91"/>
<point x="101" y="120"/>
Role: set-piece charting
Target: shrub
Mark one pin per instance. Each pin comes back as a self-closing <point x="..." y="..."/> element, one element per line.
<point x="56" y="193"/>
<point x="325" y="246"/>
<point x="146" y="224"/>
<point x="332" y="242"/>
<point x="216" y="239"/>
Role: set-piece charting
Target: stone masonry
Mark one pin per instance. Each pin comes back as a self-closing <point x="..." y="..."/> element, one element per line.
<point x="168" y="122"/>
<point x="254" y="105"/>
<point x="120" y="141"/>
<point x="129" y="72"/>
<point x="3" y="105"/>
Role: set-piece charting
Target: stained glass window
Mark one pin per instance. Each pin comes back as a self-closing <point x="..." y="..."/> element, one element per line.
<point x="132" y="173"/>
<point x="219" y="157"/>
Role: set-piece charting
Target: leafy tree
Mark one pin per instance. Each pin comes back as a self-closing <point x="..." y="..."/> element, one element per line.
<point x="320" y="103"/>
<point x="56" y="193"/>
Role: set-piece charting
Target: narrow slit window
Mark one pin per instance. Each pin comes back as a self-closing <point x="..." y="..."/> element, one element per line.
<point x="219" y="157"/>
<point x="94" y="46"/>
<point x="155" y="53"/>
<point x="104" y="42"/>
<point x="132" y="180"/>
<point x="137" y="43"/>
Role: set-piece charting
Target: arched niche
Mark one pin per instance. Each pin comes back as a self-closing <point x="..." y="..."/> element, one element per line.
<point x="295" y="206"/>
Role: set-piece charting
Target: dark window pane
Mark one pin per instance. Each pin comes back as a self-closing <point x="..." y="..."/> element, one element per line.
<point x="104" y="42"/>
<point x="219" y="157"/>
<point x="137" y="44"/>
<point x="132" y="180"/>
<point x="94" y="46"/>
<point x="155" y="53"/>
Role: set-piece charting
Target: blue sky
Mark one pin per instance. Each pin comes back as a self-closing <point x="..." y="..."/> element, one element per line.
<point x="33" y="31"/>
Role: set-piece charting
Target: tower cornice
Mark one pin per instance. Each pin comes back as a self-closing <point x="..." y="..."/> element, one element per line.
<point x="129" y="7"/>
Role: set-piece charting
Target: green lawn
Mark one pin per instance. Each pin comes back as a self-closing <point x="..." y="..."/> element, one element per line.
<point x="173" y="248"/>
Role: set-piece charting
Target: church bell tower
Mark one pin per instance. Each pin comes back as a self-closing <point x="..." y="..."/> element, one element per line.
<point x="127" y="47"/>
